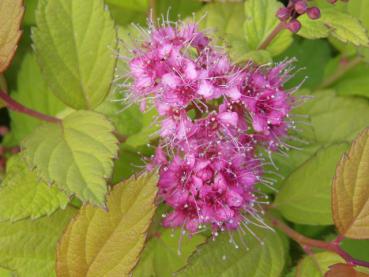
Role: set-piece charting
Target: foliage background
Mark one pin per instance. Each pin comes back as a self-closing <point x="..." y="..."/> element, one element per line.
<point x="336" y="66"/>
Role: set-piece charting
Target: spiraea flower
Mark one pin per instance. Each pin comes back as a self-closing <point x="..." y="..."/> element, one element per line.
<point x="216" y="119"/>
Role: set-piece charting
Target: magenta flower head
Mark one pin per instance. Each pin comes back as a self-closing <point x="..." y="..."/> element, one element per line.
<point x="217" y="118"/>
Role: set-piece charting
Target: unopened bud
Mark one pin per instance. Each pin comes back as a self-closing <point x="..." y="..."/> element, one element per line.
<point x="301" y="7"/>
<point x="283" y="14"/>
<point x="313" y="13"/>
<point x="294" y="26"/>
<point x="332" y="1"/>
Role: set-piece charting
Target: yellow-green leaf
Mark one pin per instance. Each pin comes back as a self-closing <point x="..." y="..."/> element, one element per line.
<point x="75" y="42"/>
<point x="11" y="13"/>
<point x="344" y="270"/>
<point x="260" y="22"/>
<point x="336" y="23"/>
<point x="317" y="265"/>
<point x="23" y="194"/>
<point x="108" y="243"/>
<point x="28" y="247"/>
<point x="350" y="192"/>
<point x="76" y="154"/>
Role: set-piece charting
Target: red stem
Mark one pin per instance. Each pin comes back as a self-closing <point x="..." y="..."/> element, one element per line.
<point x="308" y="242"/>
<point x="272" y="35"/>
<point x="17" y="107"/>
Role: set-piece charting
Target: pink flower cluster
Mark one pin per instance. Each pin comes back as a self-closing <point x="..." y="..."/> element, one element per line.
<point x="216" y="116"/>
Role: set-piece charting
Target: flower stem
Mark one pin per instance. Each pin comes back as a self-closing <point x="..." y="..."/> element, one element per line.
<point x="152" y="10"/>
<point x="341" y="70"/>
<point x="332" y="246"/>
<point x="272" y="35"/>
<point x="18" y="107"/>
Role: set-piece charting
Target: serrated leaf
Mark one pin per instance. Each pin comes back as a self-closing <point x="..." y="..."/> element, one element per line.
<point x="32" y="92"/>
<point x="222" y="258"/>
<point x="77" y="154"/>
<point x="11" y="13"/>
<point x="317" y="265"/>
<point x="333" y="119"/>
<point x="339" y="24"/>
<point x="23" y="195"/>
<point x="100" y="243"/>
<point x="260" y="21"/>
<point x="350" y="192"/>
<point x="166" y="253"/>
<point x="75" y="42"/>
<point x="29" y="247"/>
<point x="304" y="197"/>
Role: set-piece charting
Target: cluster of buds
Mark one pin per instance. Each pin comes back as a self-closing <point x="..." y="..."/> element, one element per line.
<point x="296" y="8"/>
<point x="216" y="119"/>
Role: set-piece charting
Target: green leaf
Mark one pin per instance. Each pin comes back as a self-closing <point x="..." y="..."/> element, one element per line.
<point x="76" y="154"/>
<point x="148" y="132"/>
<point x="260" y="21"/>
<point x="221" y="258"/>
<point x="333" y="118"/>
<point x="350" y="192"/>
<point x="29" y="247"/>
<point x="305" y="195"/>
<point x="318" y="264"/>
<point x="356" y="248"/>
<point x="354" y="81"/>
<point x="23" y="195"/>
<point x="133" y="5"/>
<point x="175" y="8"/>
<point x="100" y="243"/>
<point x="311" y="58"/>
<point x="7" y="273"/>
<point x="75" y="42"/>
<point x="127" y="121"/>
<point x="166" y="253"/>
<point x="33" y="93"/>
<point x="336" y="23"/>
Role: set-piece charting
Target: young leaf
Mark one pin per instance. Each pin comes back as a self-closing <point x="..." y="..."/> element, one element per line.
<point x="11" y="13"/>
<point x="340" y="25"/>
<point x="75" y="42"/>
<point x="221" y="258"/>
<point x="33" y="93"/>
<point x="76" y="154"/>
<point x="344" y="270"/>
<point x="304" y="197"/>
<point x="260" y="21"/>
<point x="317" y="265"/>
<point x="23" y="195"/>
<point x="166" y="253"/>
<point x="100" y="243"/>
<point x="29" y="247"/>
<point x="350" y="191"/>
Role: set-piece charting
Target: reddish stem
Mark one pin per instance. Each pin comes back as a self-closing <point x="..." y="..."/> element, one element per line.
<point x="272" y="35"/>
<point x="308" y="242"/>
<point x="17" y="107"/>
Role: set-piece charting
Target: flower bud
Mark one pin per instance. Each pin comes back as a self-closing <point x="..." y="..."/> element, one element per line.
<point x="332" y="1"/>
<point x="301" y="7"/>
<point x="283" y="14"/>
<point x="294" y="26"/>
<point x="313" y="13"/>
